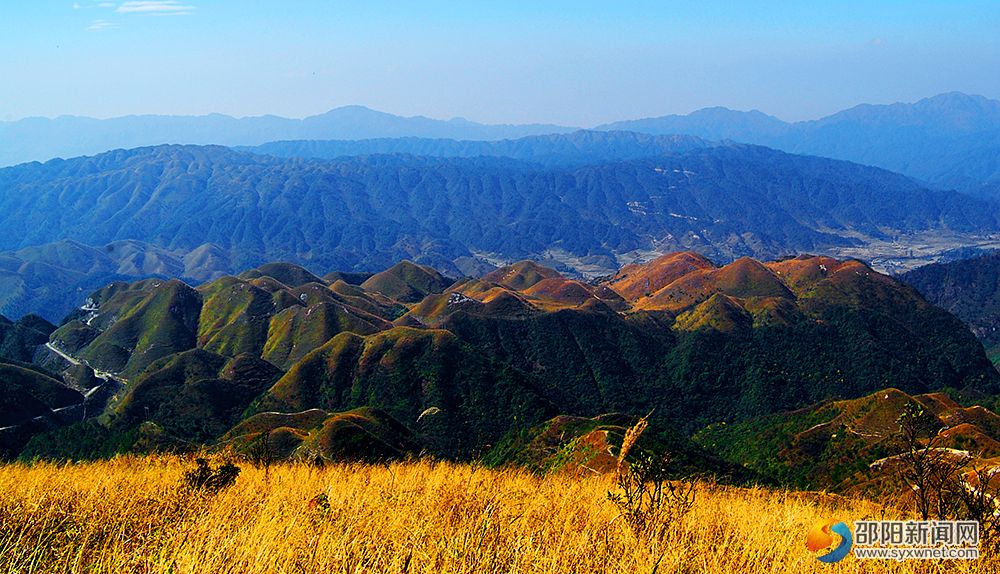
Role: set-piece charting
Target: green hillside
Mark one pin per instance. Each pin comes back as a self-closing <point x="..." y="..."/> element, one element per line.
<point x="831" y="445"/>
<point x="465" y="366"/>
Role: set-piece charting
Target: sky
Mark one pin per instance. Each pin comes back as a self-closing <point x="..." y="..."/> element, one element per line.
<point x="575" y="63"/>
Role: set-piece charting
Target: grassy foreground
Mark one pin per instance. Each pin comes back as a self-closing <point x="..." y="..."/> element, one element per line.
<point x="133" y="515"/>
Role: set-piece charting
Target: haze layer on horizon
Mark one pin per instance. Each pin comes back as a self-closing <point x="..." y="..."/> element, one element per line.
<point x="572" y="63"/>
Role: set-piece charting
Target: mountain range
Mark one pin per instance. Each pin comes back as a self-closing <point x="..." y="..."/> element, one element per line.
<point x="574" y="149"/>
<point x="949" y="141"/>
<point x="69" y="226"/>
<point x="40" y="139"/>
<point x="407" y="359"/>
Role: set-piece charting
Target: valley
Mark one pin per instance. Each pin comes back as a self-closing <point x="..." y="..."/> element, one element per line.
<point x="909" y="252"/>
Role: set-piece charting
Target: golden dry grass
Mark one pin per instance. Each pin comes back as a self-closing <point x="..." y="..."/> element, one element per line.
<point x="131" y="515"/>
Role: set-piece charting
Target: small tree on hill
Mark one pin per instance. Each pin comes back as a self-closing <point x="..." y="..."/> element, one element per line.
<point x="647" y="499"/>
<point x="947" y="484"/>
<point x="928" y="469"/>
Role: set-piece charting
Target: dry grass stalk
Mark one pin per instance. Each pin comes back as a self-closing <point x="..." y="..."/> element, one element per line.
<point x="631" y="437"/>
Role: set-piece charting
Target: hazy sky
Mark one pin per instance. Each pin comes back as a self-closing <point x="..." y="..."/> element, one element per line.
<point x="570" y="62"/>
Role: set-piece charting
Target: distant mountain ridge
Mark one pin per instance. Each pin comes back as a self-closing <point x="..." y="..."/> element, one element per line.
<point x="950" y="140"/>
<point x="576" y="148"/>
<point x="41" y="139"/>
<point x="716" y="123"/>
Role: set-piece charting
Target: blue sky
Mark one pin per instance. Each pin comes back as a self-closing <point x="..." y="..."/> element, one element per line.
<point x="575" y="63"/>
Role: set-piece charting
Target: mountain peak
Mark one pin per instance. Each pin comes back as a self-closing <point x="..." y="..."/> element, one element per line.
<point x="521" y="275"/>
<point x="407" y="281"/>
<point x="957" y="99"/>
<point x="714" y="123"/>
<point x="722" y="112"/>
<point x="352" y="110"/>
<point x="950" y="112"/>
<point x="640" y="280"/>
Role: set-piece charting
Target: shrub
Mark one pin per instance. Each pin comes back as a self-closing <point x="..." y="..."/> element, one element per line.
<point x="205" y="478"/>
<point x="648" y="500"/>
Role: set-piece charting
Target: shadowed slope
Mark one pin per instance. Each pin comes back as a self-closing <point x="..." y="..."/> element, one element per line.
<point x="360" y="434"/>
<point x="194" y="396"/>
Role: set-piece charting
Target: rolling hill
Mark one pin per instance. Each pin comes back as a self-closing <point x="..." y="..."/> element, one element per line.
<point x="19" y="339"/>
<point x="32" y="398"/>
<point x="461" y="366"/>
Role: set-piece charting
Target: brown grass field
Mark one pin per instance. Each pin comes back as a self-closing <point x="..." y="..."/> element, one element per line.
<point x="132" y="514"/>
